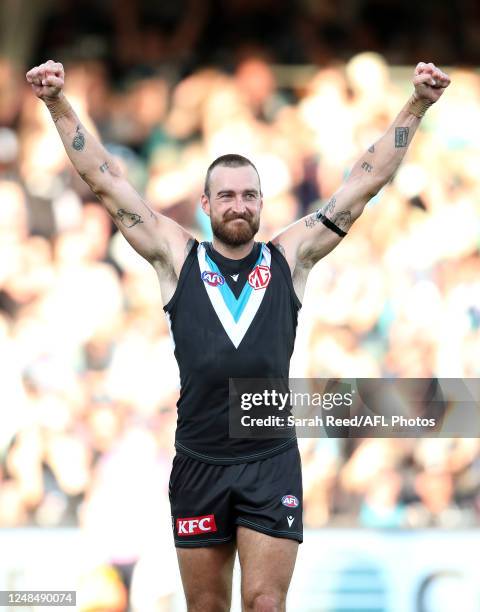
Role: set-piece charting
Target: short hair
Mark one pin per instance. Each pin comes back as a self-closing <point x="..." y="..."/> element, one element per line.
<point x="231" y="160"/>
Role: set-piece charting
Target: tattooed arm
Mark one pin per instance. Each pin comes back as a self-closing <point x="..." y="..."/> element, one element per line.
<point x="311" y="238"/>
<point x="156" y="237"/>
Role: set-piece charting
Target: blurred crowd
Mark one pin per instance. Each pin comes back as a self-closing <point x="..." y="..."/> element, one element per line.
<point x="182" y="35"/>
<point x="89" y="381"/>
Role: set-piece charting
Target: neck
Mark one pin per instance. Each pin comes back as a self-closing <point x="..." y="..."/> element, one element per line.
<point x="233" y="252"/>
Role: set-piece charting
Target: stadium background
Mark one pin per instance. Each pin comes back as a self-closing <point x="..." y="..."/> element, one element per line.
<point x="89" y="382"/>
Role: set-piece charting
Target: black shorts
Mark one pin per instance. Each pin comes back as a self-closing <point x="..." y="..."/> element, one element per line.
<point x="209" y="501"/>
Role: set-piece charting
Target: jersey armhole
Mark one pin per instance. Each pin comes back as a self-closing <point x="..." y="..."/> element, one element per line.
<point x="181" y="279"/>
<point x="282" y="262"/>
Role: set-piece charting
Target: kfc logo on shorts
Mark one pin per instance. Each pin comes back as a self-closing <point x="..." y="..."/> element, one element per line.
<point x="259" y="277"/>
<point x="290" y="501"/>
<point x="212" y="278"/>
<point x="196" y="525"/>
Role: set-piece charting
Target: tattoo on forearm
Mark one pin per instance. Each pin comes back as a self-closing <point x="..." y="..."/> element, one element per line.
<point x="371" y="149"/>
<point x="343" y="220"/>
<point x="367" y="167"/>
<point x="128" y="219"/>
<point x="78" y="142"/>
<point x="104" y="167"/>
<point x="401" y="137"/>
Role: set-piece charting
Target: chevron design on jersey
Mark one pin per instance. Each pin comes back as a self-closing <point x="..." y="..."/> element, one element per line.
<point x="235" y="315"/>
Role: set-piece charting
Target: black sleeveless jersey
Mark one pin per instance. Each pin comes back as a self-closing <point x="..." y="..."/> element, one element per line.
<point x="220" y="333"/>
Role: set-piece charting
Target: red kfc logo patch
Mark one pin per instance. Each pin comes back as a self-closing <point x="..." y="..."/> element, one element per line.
<point x="196" y="525"/>
<point x="259" y="277"/>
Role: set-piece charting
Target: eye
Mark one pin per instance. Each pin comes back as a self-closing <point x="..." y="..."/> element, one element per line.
<point x="250" y="196"/>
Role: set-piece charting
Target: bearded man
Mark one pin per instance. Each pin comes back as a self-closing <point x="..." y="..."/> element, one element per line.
<point x="232" y="306"/>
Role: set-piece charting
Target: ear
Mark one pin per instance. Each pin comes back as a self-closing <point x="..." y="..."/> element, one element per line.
<point x="205" y="204"/>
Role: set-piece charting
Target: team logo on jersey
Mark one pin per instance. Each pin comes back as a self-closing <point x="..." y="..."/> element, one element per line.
<point x="290" y="501"/>
<point x="259" y="277"/>
<point x="196" y="525"/>
<point x="214" y="279"/>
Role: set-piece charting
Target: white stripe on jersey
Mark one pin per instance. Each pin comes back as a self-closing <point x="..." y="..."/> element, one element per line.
<point x="234" y="330"/>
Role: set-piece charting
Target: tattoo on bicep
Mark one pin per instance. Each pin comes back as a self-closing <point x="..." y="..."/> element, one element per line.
<point x="401" y="137"/>
<point x="343" y="220"/>
<point x="128" y="219"/>
<point x="328" y="209"/>
<point x="367" y="167"/>
<point x="104" y="167"/>
<point x="325" y="211"/>
<point x="78" y="142"/>
<point x="371" y="149"/>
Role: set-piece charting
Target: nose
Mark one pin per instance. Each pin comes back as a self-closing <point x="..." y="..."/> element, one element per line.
<point x="239" y="204"/>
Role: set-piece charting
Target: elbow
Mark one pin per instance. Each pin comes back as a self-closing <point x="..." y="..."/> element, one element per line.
<point x="366" y="188"/>
<point x="89" y="180"/>
<point x="103" y="181"/>
<point x="95" y="186"/>
<point x="372" y="192"/>
<point x="373" y="185"/>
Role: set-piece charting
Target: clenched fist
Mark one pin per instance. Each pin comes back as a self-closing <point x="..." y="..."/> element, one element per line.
<point x="47" y="80"/>
<point x="430" y="82"/>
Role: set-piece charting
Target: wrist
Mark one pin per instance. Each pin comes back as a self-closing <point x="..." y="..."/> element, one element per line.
<point x="418" y="106"/>
<point x="58" y="106"/>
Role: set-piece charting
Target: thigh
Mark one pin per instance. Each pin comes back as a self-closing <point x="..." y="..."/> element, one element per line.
<point x="200" y="503"/>
<point x="203" y="531"/>
<point x="207" y="576"/>
<point x="268" y="496"/>
<point x="267" y="565"/>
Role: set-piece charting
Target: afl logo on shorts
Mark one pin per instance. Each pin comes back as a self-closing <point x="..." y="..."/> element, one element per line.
<point x="259" y="277"/>
<point x="212" y="278"/>
<point x="290" y="501"/>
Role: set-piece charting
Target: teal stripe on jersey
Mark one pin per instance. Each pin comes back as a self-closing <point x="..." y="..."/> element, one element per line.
<point x="236" y="306"/>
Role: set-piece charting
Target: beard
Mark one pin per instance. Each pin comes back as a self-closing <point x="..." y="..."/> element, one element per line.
<point x="235" y="234"/>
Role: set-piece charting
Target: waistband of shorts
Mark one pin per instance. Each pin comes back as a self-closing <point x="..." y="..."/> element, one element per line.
<point x="233" y="460"/>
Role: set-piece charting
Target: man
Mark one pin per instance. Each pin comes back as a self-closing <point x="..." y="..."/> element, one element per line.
<point x="233" y="307"/>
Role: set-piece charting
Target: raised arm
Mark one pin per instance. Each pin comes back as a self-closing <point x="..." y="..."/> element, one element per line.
<point x="306" y="241"/>
<point x="157" y="238"/>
